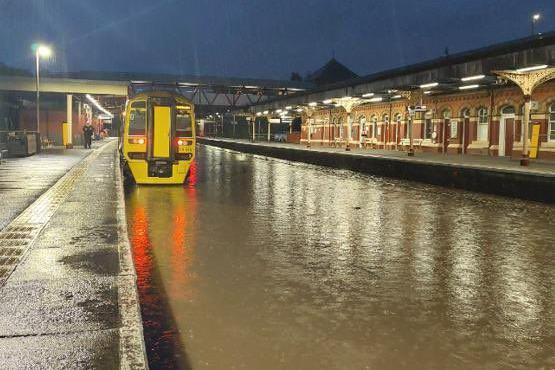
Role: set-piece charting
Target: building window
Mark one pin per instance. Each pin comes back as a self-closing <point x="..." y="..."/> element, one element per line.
<point x="340" y="128"/>
<point x="465" y="113"/>
<point x="362" y="125"/>
<point x="398" y="118"/>
<point x="482" y="124"/>
<point x="552" y="122"/>
<point x="374" y="122"/>
<point x="428" y="126"/>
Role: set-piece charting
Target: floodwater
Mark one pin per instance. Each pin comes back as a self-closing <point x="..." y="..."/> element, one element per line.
<point x="259" y="263"/>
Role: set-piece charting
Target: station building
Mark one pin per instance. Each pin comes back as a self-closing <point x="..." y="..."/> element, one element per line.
<point x="469" y="105"/>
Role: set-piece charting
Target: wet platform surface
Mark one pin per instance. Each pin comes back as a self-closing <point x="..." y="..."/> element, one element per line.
<point x="259" y="263"/>
<point x="68" y="296"/>
<point x="478" y="161"/>
<point x="22" y="180"/>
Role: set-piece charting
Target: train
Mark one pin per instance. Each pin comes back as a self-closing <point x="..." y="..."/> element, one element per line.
<point x="158" y="141"/>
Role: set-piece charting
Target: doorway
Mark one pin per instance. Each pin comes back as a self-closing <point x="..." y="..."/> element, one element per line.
<point x="506" y="131"/>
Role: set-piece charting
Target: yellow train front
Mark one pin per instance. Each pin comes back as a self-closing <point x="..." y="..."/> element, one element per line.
<point x="158" y="142"/>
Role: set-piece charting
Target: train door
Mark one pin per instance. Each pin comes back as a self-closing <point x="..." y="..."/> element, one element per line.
<point x="161" y="131"/>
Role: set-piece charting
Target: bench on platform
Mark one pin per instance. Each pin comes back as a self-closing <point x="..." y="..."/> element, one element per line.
<point x="338" y="142"/>
<point x="415" y="142"/>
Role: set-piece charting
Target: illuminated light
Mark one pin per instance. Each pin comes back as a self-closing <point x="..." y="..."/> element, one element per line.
<point x="536" y="16"/>
<point x="180" y="142"/>
<point x="473" y="78"/>
<point x="252" y="87"/>
<point x="141" y="141"/>
<point x="312" y="104"/>
<point x="467" y="87"/>
<point x="368" y="95"/>
<point x="299" y="110"/>
<point x="376" y="99"/>
<point x="328" y="101"/>
<point x="347" y="97"/>
<point x="98" y="106"/>
<point x="427" y="86"/>
<point x="428" y="92"/>
<point x="396" y="96"/>
<point x="279" y="111"/>
<point x="44" y="51"/>
<point x="265" y="112"/>
<point x="532" y="68"/>
<point x="288" y="107"/>
<point x="391" y="91"/>
<point x="258" y="114"/>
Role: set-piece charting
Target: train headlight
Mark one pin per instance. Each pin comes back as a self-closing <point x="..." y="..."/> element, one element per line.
<point x="180" y="142"/>
<point x="141" y="141"/>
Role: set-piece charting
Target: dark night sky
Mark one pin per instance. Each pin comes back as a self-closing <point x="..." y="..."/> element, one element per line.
<point x="256" y="38"/>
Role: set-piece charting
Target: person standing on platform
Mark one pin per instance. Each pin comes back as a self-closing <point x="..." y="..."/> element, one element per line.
<point x="88" y="133"/>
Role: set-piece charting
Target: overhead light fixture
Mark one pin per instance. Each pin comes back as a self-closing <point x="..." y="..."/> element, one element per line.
<point x="299" y="110"/>
<point x="473" y="78"/>
<point x="265" y="112"/>
<point x="328" y="101"/>
<point x="427" y="92"/>
<point x="430" y="85"/>
<point x="312" y="104"/>
<point x="368" y="95"/>
<point x="44" y="51"/>
<point x="376" y="99"/>
<point x="288" y="107"/>
<point x="396" y="96"/>
<point x="258" y="114"/>
<point x="347" y="97"/>
<point x="532" y="68"/>
<point x="98" y="106"/>
<point x="536" y="17"/>
<point x="468" y="87"/>
<point x="279" y="111"/>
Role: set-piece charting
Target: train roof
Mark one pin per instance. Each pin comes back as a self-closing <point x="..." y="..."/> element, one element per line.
<point x="160" y="94"/>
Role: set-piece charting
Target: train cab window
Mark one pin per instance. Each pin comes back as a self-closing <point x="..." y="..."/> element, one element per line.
<point x="137" y="118"/>
<point x="183" y="124"/>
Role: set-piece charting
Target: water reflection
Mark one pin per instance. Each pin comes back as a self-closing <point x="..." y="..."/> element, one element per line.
<point x="269" y="264"/>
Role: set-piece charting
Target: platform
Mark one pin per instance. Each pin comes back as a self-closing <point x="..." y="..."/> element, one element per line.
<point x="68" y="291"/>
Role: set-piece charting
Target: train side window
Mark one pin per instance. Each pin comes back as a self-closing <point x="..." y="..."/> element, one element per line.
<point x="137" y="118"/>
<point x="183" y="124"/>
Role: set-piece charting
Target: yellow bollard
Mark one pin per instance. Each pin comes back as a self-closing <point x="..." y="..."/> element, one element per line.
<point x="66" y="135"/>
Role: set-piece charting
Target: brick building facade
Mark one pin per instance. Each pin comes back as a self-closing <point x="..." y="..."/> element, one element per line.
<point x="484" y="122"/>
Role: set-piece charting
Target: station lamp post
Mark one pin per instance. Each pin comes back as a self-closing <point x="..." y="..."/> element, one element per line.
<point x="44" y="52"/>
<point x="535" y="18"/>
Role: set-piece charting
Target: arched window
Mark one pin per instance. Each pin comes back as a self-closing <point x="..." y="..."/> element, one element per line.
<point x="465" y="113"/>
<point x="508" y="110"/>
<point x="482" y="124"/>
<point x="398" y="118"/>
<point x="446" y="113"/>
<point x="362" y="124"/>
<point x="552" y="122"/>
<point x="374" y="123"/>
<point x="340" y="127"/>
<point x="428" y="125"/>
